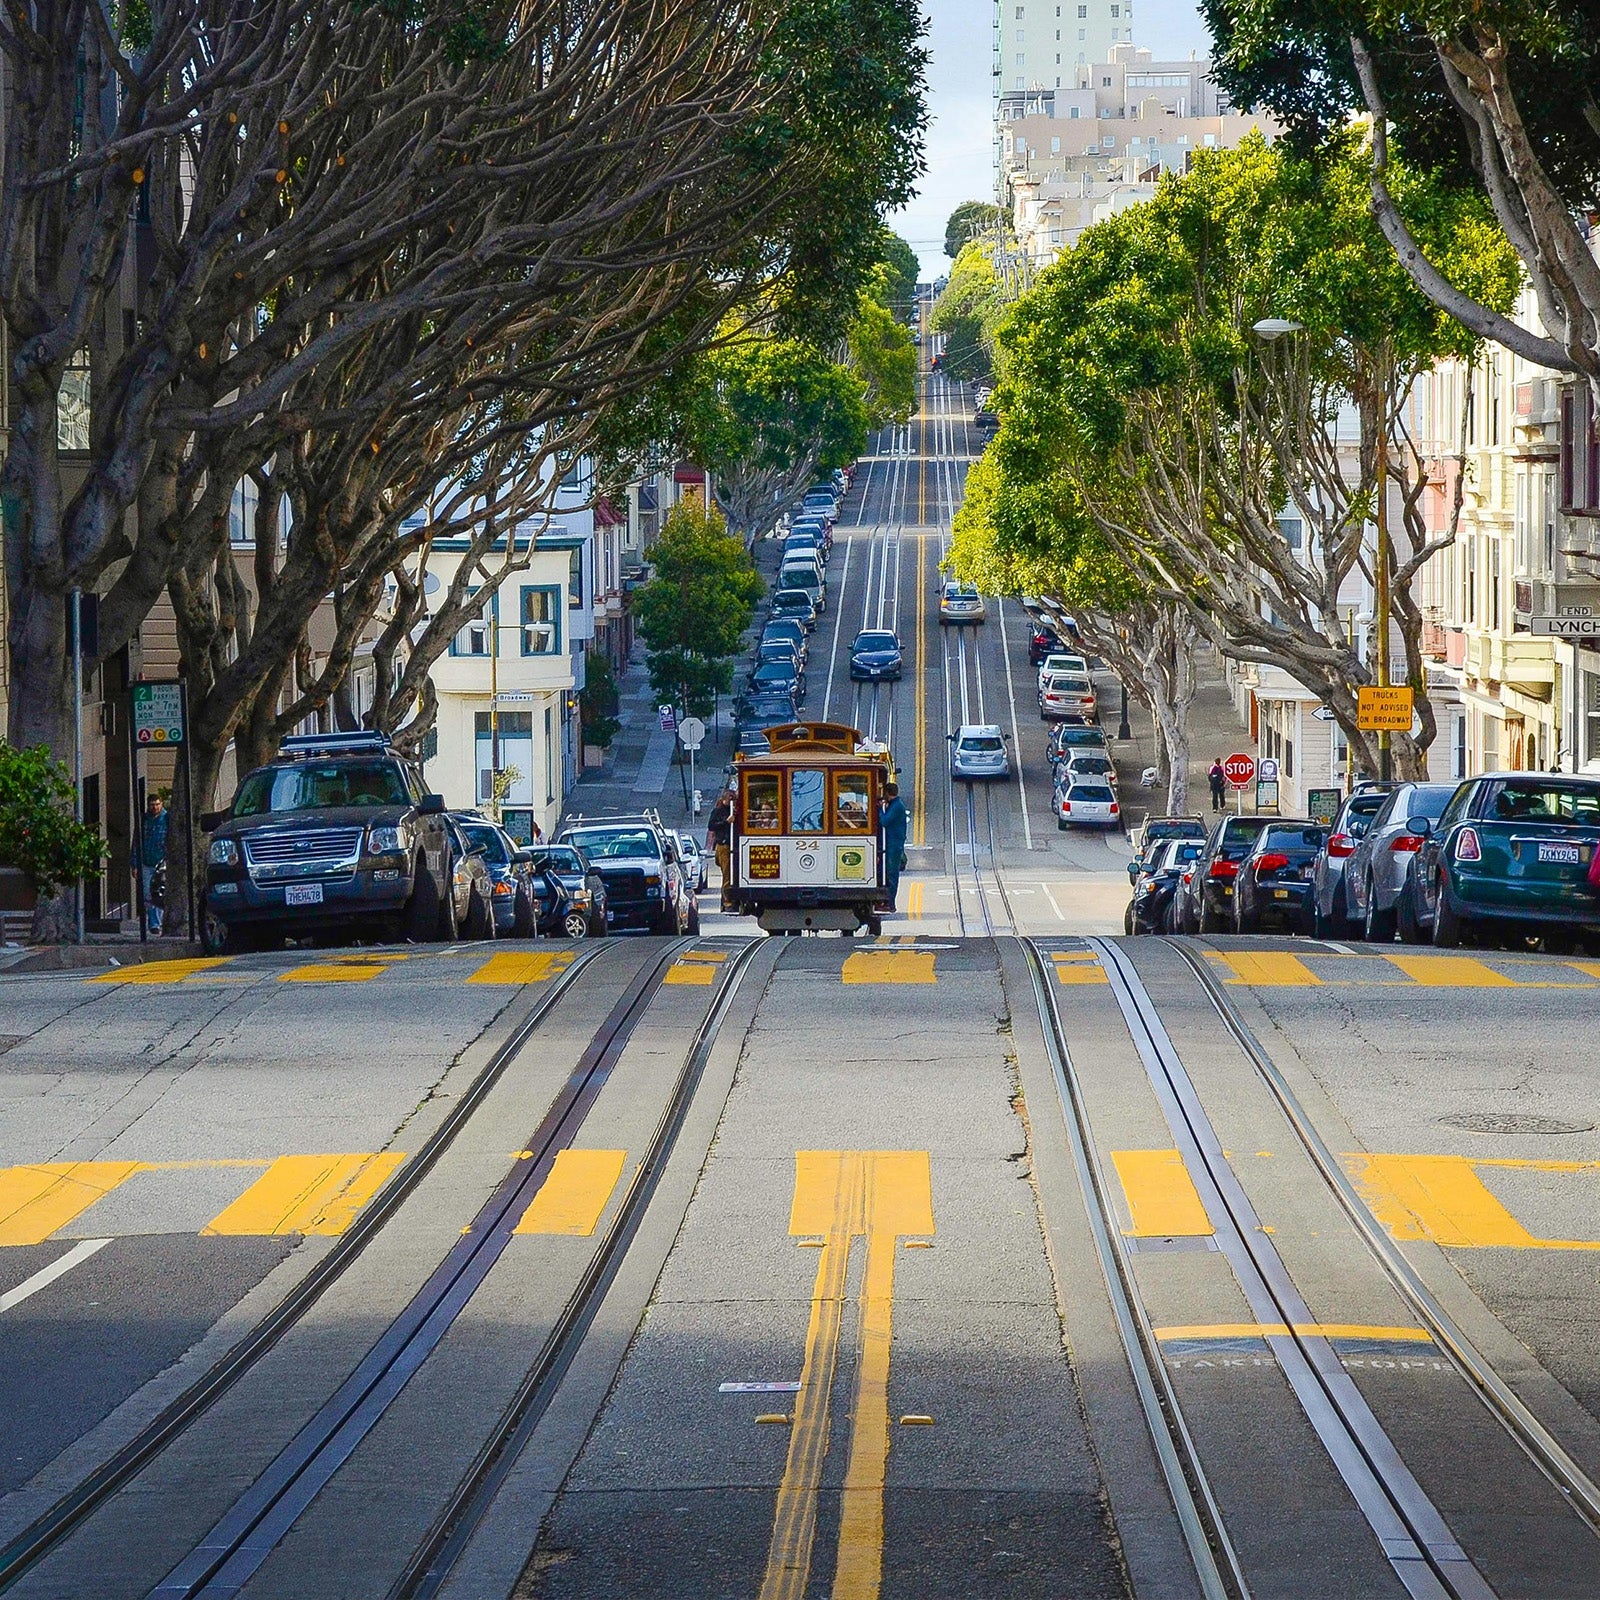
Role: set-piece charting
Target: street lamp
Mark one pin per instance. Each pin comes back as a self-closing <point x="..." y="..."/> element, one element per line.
<point x="1270" y="328"/>
<point x="1123" y="730"/>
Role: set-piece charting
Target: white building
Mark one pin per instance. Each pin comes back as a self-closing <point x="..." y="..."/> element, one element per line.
<point x="1041" y="45"/>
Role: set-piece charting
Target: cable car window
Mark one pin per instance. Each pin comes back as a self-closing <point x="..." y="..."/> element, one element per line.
<point x="761" y="802"/>
<point x="808" y="789"/>
<point x="852" y="802"/>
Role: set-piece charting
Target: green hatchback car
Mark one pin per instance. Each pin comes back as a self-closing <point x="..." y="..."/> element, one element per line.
<point x="1510" y="855"/>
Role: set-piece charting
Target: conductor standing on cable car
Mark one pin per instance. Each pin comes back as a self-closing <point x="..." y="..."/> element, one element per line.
<point x="894" y="818"/>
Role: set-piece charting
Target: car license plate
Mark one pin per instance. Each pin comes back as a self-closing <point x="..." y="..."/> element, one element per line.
<point x="1280" y="894"/>
<point x="1567" y="854"/>
<point x="302" y="894"/>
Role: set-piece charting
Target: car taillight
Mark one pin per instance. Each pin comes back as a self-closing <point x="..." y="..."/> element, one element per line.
<point x="1406" y="843"/>
<point x="1341" y="844"/>
<point x="1271" y="862"/>
<point x="1467" y="846"/>
<point x="1113" y="808"/>
<point x="1066" y="806"/>
<point x="1223" y="869"/>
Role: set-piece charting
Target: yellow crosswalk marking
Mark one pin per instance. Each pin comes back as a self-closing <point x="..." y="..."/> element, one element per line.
<point x="161" y="971"/>
<point x="914" y="899"/>
<point x="1080" y="969"/>
<point x="1308" y="1330"/>
<point x="572" y="1198"/>
<point x="889" y="966"/>
<point x="306" y="1194"/>
<point x="36" y="1200"/>
<point x="1451" y="972"/>
<point x="1162" y="1198"/>
<point x="516" y="966"/>
<point x="334" y="972"/>
<point x="1267" y="968"/>
<point x="696" y="967"/>
<point x="1442" y="1198"/>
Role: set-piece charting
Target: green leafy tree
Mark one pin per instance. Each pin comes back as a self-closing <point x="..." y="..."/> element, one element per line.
<point x="38" y="834"/>
<point x="884" y="358"/>
<point x="1138" y="406"/>
<point x="968" y="313"/>
<point x="598" y="700"/>
<point x="693" y="613"/>
<point x="895" y="281"/>
<point x="967" y="221"/>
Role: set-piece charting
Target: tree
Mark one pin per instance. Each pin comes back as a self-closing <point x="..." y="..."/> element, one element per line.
<point x="694" y="611"/>
<point x="968" y="313"/>
<point x="598" y="700"/>
<point x="38" y="833"/>
<point x="882" y="355"/>
<point x="1138" y="404"/>
<point x="970" y="219"/>
<point x="385" y="248"/>
<point x="896" y="284"/>
<point x="1498" y="101"/>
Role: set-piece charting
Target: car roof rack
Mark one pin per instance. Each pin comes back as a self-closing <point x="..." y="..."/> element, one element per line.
<point x="322" y="744"/>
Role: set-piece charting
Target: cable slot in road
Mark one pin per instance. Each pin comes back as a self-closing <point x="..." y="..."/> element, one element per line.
<point x="251" y="1529"/>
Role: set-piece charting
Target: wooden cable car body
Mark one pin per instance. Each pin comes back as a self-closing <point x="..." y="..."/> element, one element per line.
<point x="807" y="835"/>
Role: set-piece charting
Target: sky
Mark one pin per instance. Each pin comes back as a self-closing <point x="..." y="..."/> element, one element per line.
<point x="960" y="152"/>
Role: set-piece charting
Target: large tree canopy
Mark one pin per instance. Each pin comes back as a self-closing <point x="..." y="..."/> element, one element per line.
<point x="967" y="221"/>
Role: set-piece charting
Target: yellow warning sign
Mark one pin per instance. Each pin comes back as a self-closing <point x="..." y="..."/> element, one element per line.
<point x="1379" y="710"/>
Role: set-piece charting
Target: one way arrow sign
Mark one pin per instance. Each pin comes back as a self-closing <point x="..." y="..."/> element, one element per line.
<point x="1323" y="713"/>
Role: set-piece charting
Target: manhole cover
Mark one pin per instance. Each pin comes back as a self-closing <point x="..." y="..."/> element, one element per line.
<point x="1493" y="1122"/>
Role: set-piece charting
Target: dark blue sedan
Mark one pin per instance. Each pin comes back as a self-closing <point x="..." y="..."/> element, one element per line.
<point x="875" y="655"/>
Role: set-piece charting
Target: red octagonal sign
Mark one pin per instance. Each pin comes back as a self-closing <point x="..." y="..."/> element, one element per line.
<point x="1239" y="770"/>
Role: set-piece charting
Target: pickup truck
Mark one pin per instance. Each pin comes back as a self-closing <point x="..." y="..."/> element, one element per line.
<point x="1510" y="855"/>
<point x="642" y="869"/>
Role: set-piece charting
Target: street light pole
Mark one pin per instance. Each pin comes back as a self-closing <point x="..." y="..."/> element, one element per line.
<point x="1123" y="730"/>
<point x="1381" y="580"/>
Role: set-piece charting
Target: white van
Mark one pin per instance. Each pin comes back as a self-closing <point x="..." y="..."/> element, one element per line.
<point x="807" y="575"/>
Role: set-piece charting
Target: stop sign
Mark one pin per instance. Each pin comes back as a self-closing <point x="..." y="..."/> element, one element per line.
<point x="1239" y="769"/>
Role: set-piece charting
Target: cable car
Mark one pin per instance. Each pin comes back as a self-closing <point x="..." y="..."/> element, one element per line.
<point x="807" y="837"/>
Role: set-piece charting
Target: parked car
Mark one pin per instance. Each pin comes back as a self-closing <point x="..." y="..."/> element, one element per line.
<point x="796" y="603"/>
<point x="875" y="655"/>
<point x="1376" y="873"/>
<point x="337" y="833"/>
<point x="1094" y="765"/>
<point x="1067" y="736"/>
<point x="1155" y="878"/>
<point x="752" y="742"/>
<point x="1273" y="883"/>
<point x="639" y="859"/>
<point x="581" y="911"/>
<point x="1068" y="697"/>
<point x="765" y="710"/>
<point x="513" y="899"/>
<point x="821" y="503"/>
<point x="1154" y="830"/>
<point x="694" y="861"/>
<point x="1509" y="857"/>
<point x="977" y="751"/>
<point x="1081" y="803"/>
<point x="1042" y="642"/>
<point x="1330" y="911"/>
<point x="1205" y="900"/>
<point x="779" y="677"/>
<point x="1062" y="661"/>
<point x="789" y="628"/>
<point x="471" y="884"/>
<point x="783" y="650"/>
<point x="961" y="603"/>
<point x="805" y="576"/>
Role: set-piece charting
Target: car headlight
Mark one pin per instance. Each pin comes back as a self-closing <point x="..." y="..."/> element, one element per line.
<point x="223" y="853"/>
<point x="385" y="841"/>
<point x="581" y="897"/>
<point x="502" y="888"/>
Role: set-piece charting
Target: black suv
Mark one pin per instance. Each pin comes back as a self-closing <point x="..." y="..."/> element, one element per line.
<point x="336" y="833"/>
<point x="638" y="860"/>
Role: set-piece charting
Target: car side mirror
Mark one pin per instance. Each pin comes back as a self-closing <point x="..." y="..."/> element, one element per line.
<point x="210" y="821"/>
<point x="1421" y="826"/>
<point x="432" y="805"/>
<point x="1133" y="872"/>
<point x="522" y="857"/>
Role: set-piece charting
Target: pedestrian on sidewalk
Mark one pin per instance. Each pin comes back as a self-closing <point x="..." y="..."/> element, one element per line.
<point x="719" y="836"/>
<point x="895" y="818"/>
<point x="1219" y="781"/>
<point x="152" y="852"/>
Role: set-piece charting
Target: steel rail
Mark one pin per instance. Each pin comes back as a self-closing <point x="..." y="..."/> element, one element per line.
<point x="1502" y="1401"/>
<point x="27" y="1548"/>
<point x="1216" y="1563"/>
<point x="1414" y="1538"/>
<point x="247" y="1533"/>
<point x="434" y="1559"/>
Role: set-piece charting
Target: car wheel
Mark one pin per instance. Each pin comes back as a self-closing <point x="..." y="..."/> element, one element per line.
<point x="1449" y="927"/>
<point x="524" y="922"/>
<point x="422" y="909"/>
<point x="1379" y="925"/>
<point x="1243" y="921"/>
<point x="575" y="925"/>
<point x="1129" y="926"/>
<point x="449" y="926"/>
<point x="1210" y="919"/>
<point x="1410" y="929"/>
<point x="480" y="918"/>
<point x="693" y="925"/>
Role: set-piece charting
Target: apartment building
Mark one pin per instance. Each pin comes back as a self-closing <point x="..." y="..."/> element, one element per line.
<point x="1048" y="46"/>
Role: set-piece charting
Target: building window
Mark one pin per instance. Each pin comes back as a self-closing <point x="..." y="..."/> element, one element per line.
<point x="549" y="758"/>
<point x="1494" y="584"/>
<point x="541" y="622"/>
<point x="1591" y="716"/>
<point x="72" y="405"/>
<point x="1083" y="11"/>
<point x="1292" y="528"/>
<point x="1083" y="33"/>
<point x="1055" y="144"/>
<point x="1074" y="114"/>
<point x="1105" y="83"/>
<point x="475" y="637"/>
<point x="575" y="590"/>
<point x="512" y="733"/>
<point x="1458" y="745"/>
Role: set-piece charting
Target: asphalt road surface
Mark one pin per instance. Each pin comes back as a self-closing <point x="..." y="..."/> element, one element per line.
<point x="994" y="1257"/>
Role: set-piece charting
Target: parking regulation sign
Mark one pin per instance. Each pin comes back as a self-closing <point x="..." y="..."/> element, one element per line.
<point x="157" y="713"/>
<point x="1239" y="769"/>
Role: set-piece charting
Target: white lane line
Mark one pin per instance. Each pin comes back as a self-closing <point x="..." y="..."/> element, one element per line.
<point x="838" y="622"/>
<point x="1016" y="730"/>
<point x="1052" y="899"/>
<point x="76" y="1256"/>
